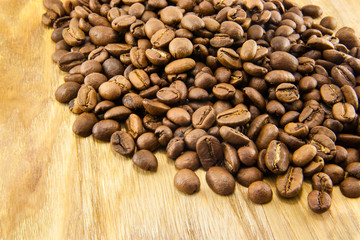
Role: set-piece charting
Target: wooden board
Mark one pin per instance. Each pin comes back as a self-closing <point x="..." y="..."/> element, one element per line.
<point x="55" y="185"/>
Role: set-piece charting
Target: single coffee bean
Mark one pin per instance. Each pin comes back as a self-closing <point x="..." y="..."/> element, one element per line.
<point x="248" y="155"/>
<point x="168" y="95"/>
<point x="186" y="181"/>
<point x="313" y="11"/>
<point x="331" y="94"/>
<point x="344" y="112"/>
<point x="329" y="22"/>
<point x="175" y="147"/>
<point x="279" y="76"/>
<point x="134" y="126"/>
<point x="112" y="67"/>
<point x="163" y="134"/>
<point x="180" y="66"/>
<point x="157" y="56"/>
<point x="256" y="125"/>
<point x="314" y="166"/>
<point x="67" y="91"/>
<point x="86" y="98"/>
<point x="260" y="192"/>
<point x="90" y="66"/>
<point x="324" y="145"/>
<point x="322" y="182"/>
<point x="267" y="134"/>
<point x="224" y="91"/>
<point x="350" y="96"/>
<point x="148" y="141"/>
<point x="69" y="60"/>
<point x="110" y="90"/>
<point x="145" y="160"/>
<point x="289" y="185"/>
<point x="233" y="136"/>
<point x="350" y="187"/>
<point x="277" y="157"/>
<point x="209" y="150"/>
<point x="246" y="176"/>
<point x="118" y="113"/>
<point x="312" y="116"/>
<point x="353" y="169"/>
<point x="287" y="92"/>
<point x="84" y="123"/>
<point x="283" y="61"/>
<point x="203" y="117"/>
<point x="162" y="37"/>
<point x="155" y="108"/>
<point x="335" y="172"/>
<point x="231" y="159"/>
<point x="139" y="79"/>
<point x="191" y="137"/>
<point x="95" y="79"/>
<point x="237" y="116"/>
<point x="220" y="181"/>
<point x="322" y="130"/>
<point x="248" y="50"/>
<point x="103" y="129"/>
<point x="229" y="58"/>
<point x="102" y="35"/>
<point x="179" y="116"/>
<point x="304" y="155"/>
<point x="343" y="76"/>
<point x="122" y="143"/>
<point x="319" y="201"/>
<point x="189" y="160"/>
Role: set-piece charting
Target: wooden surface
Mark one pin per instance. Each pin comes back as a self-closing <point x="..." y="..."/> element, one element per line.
<point x="55" y="185"/>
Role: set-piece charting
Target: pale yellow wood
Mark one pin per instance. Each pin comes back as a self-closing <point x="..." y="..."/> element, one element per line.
<point x="54" y="185"/>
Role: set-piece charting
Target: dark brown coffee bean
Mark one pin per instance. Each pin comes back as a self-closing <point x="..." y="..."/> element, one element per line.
<point x="110" y="90"/>
<point x="191" y="138"/>
<point x="163" y="134"/>
<point x="116" y="49"/>
<point x="67" y="91"/>
<point x="313" y="11"/>
<point x="186" y="181"/>
<point x="289" y="185"/>
<point x="209" y="150"/>
<point x="329" y="22"/>
<point x="279" y="76"/>
<point x="322" y="130"/>
<point x="139" y="79"/>
<point x="189" y="160"/>
<point x="162" y="37"/>
<point x="350" y="187"/>
<point x="134" y="126"/>
<point x="255" y="97"/>
<point x="343" y="76"/>
<point x="319" y="201"/>
<point x="312" y="116"/>
<point x="335" y="172"/>
<point x="248" y="155"/>
<point x="180" y="66"/>
<point x="168" y="95"/>
<point x="90" y="66"/>
<point x="331" y="94"/>
<point x="84" y="123"/>
<point x="267" y="134"/>
<point x="118" y="113"/>
<point x="145" y="160"/>
<point x="246" y="176"/>
<point x="69" y="60"/>
<point x="314" y="166"/>
<point x="260" y="192"/>
<point x="122" y="143"/>
<point x="233" y="136"/>
<point x="277" y="157"/>
<point x="179" y="116"/>
<point x="103" y="129"/>
<point x="324" y="145"/>
<point x="231" y="159"/>
<point x="224" y="91"/>
<point x="101" y="35"/>
<point x="95" y="80"/>
<point x="175" y="147"/>
<point x="237" y="116"/>
<point x="229" y="58"/>
<point x="256" y="125"/>
<point x="353" y="169"/>
<point x="132" y="101"/>
<point x="287" y="92"/>
<point x="155" y="108"/>
<point x="283" y="61"/>
<point x="322" y="182"/>
<point x="157" y="56"/>
<point x="203" y="117"/>
<point x="304" y="155"/>
<point x="231" y="28"/>
<point x="148" y="141"/>
<point x="220" y="181"/>
<point x="112" y="67"/>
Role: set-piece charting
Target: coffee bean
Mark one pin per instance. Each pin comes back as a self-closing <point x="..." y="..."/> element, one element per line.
<point x="103" y="129"/>
<point x="186" y="181"/>
<point x="342" y="76"/>
<point x="175" y="147"/>
<point x="304" y="155"/>
<point x="314" y="166"/>
<point x="322" y="130"/>
<point x="203" y="117"/>
<point x="220" y="181"/>
<point x="353" y="169"/>
<point x="157" y="56"/>
<point x="168" y="95"/>
<point x="246" y="176"/>
<point x="267" y="134"/>
<point x="118" y="113"/>
<point x="229" y="58"/>
<point x="86" y="98"/>
<point x="234" y="117"/>
<point x="122" y="143"/>
<point x="209" y="150"/>
<point x="335" y="172"/>
<point x="162" y="37"/>
<point x="69" y="60"/>
<point x="299" y="130"/>
<point x="283" y="61"/>
<point x="287" y="92"/>
<point x="233" y="136"/>
<point x="289" y="185"/>
<point x="145" y="160"/>
<point x="247" y="155"/>
<point x="139" y="79"/>
<point x="189" y="160"/>
<point x="277" y="157"/>
<point x="134" y="126"/>
<point x="279" y="76"/>
<point x="322" y="182"/>
<point x="192" y="136"/>
<point x="101" y="35"/>
<point x="344" y="112"/>
<point x="350" y="187"/>
<point x="180" y="66"/>
<point x="95" y="80"/>
<point x="260" y="192"/>
<point x="231" y="159"/>
<point x="319" y="201"/>
<point x="84" y="123"/>
<point x="67" y="91"/>
<point x="147" y="141"/>
<point x="179" y="116"/>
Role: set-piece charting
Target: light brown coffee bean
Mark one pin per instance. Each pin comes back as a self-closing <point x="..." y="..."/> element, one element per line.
<point x="145" y="160"/>
<point x="220" y="181"/>
<point x="186" y="181"/>
<point x="260" y="192"/>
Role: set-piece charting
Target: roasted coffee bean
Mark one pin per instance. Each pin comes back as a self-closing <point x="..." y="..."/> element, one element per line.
<point x="331" y="94"/>
<point x="103" y="129"/>
<point x="237" y="116"/>
<point x="256" y="125"/>
<point x="248" y="155"/>
<point x="312" y="116"/>
<point x="90" y="66"/>
<point x="148" y="141"/>
<point x="289" y="185"/>
<point x="314" y="166"/>
<point x="344" y="112"/>
<point x="299" y="130"/>
<point x="322" y="130"/>
<point x="67" y="91"/>
<point x="112" y="67"/>
<point x="102" y="35"/>
<point x="279" y="76"/>
<point x="231" y="159"/>
<point x="203" y="117"/>
<point x="189" y="160"/>
<point x="229" y="58"/>
<point x="162" y="37"/>
<point x="246" y="176"/>
<point x="168" y="95"/>
<point x="277" y="157"/>
<point x="287" y="92"/>
<point x="353" y="169"/>
<point x="267" y="134"/>
<point x="157" y="56"/>
<point x="84" y="123"/>
<point x="260" y="192"/>
<point x="343" y="76"/>
<point x="134" y="126"/>
<point x="69" y="60"/>
<point x="233" y="136"/>
<point x="319" y="201"/>
<point x="283" y="61"/>
<point x="132" y="101"/>
<point x="224" y="91"/>
<point x="220" y="181"/>
<point x="322" y="182"/>
<point x="145" y="160"/>
<point x="324" y="145"/>
<point x="110" y="90"/>
<point x="122" y="143"/>
<point x="175" y="147"/>
<point x="186" y="181"/>
<point x="163" y="134"/>
<point x="350" y="187"/>
<point x="335" y="172"/>
<point x="179" y="116"/>
<point x="191" y="138"/>
<point x="304" y="155"/>
<point x="180" y="66"/>
<point x="86" y="98"/>
<point x="118" y="113"/>
<point x="139" y="79"/>
<point x="209" y="150"/>
<point x="95" y="80"/>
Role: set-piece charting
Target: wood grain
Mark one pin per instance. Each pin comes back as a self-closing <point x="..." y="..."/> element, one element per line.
<point x="55" y="185"/>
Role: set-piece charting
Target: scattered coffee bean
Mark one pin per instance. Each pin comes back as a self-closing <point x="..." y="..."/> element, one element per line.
<point x="319" y="201"/>
<point x="145" y="160"/>
<point x="220" y="181"/>
<point x="186" y="181"/>
<point x="260" y="192"/>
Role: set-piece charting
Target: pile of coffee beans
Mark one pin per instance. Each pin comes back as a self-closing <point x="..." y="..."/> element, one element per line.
<point x="242" y="88"/>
